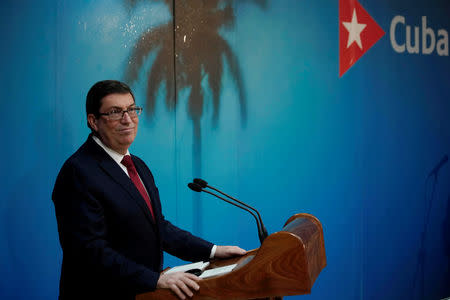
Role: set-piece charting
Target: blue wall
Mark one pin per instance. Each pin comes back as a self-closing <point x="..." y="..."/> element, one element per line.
<point x="354" y="150"/>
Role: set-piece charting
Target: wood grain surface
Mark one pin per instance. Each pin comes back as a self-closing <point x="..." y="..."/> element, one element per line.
<point x="287" y="263"/>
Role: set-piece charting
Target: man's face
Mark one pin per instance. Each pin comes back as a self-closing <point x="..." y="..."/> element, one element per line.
<point x="115" y="134"/>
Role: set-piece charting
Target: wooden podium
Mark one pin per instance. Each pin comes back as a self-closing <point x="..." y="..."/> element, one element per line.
<point x="287" y="263"/>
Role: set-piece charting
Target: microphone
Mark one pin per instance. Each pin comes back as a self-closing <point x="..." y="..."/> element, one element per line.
<point x="195" y="187"/>
<point x="261" y="233"/>
<point x="439" y="166"/>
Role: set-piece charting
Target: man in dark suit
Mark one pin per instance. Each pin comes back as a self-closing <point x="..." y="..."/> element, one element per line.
<point x="111" y="227"/>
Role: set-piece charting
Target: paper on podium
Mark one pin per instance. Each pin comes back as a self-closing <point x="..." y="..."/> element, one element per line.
<point x="217" y="271"/>
<point x="184" y="268"/>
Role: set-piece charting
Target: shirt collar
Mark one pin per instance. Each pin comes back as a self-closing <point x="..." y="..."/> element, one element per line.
<point x="116" y="156"/>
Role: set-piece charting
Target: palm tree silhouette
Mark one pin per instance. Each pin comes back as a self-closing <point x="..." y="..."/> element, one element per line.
<point x="200" y="52"/>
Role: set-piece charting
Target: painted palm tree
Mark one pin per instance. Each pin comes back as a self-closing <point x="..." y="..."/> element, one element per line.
<point x="188" y="49"/>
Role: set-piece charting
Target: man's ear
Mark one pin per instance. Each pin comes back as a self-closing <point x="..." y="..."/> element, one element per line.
<point x="92" y="120"/>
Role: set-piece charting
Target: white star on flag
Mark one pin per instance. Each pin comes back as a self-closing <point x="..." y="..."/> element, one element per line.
<point x="354" y="30"/>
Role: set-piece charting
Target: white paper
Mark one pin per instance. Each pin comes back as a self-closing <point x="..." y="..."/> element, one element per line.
<point x="197" y="265"/>
<point x="217" y="271"/>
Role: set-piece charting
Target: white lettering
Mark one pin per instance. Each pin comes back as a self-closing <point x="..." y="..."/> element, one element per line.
<point x="422" y="34"/>
<point x="412" y="49"/>
<point x="442" y="44"/>
<point x="427" y="32"/>
<point x="396" y="20"/>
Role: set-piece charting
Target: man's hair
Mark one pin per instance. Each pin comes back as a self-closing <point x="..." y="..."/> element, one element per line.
<point x="100" y="90"/>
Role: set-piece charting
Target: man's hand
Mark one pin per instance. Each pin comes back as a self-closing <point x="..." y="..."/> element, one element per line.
<point x="228" y="251"/>
<point x="180" y="283"/>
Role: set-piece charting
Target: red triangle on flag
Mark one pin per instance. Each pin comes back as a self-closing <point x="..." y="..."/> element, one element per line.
<point x="358" y="32"/>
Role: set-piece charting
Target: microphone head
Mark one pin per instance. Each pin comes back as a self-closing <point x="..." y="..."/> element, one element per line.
<point x="200" y="182"/>
<point x="195" y="187"/>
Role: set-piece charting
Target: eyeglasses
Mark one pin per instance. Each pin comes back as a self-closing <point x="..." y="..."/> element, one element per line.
<point x="117" y="114"/>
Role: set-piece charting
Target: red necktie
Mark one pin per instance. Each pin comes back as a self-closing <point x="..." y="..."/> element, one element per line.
<point x="128" y="163"/>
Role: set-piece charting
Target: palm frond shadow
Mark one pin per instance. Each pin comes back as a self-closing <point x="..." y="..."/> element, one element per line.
<point x="200" y="51"/>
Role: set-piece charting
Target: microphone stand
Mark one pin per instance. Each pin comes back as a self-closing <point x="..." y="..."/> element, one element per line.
<point x="261" y="237"/>
<point x="260" y="225"/>
<point x="261" y="234"/>
<point x="262" y="231"/>
<point x="420" y="269"/>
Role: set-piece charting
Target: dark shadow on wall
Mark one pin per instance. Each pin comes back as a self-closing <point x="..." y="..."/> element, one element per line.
<point x="200" y="53"/>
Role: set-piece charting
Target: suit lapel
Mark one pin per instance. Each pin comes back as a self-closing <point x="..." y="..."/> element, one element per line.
<point x="118" y="175"/>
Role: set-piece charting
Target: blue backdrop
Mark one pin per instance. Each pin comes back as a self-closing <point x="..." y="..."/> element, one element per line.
<point x="291" y="135"/>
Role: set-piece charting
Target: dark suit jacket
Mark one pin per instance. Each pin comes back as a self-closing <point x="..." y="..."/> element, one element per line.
<point x="112" y="248"/>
